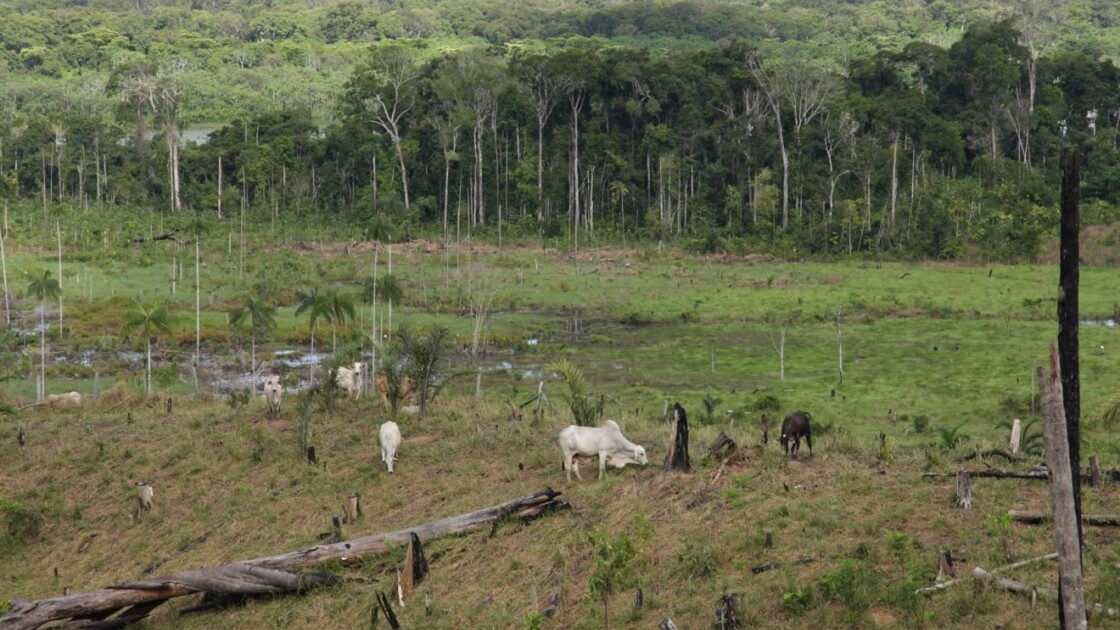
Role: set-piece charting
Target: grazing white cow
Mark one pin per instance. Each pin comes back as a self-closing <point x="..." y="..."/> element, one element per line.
<point x="65" y="400"/>
<point x="272" y="392"/>
<point x="145" y="496"/>
<point x="390" y="440"/>
<point x="350" y="379"/>
<point x="606" y="441"/>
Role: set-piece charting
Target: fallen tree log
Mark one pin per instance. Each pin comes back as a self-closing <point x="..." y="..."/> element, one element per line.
<point x="1037" y="518"/>
<point x="273" y="574"/>
<point x="1033" y="592"/>
<point x="995" y="473"/>
<point x="1016" y="565"/>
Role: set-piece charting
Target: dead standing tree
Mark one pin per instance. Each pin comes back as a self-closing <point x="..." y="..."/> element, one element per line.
<point x="677" y="457"/>
<point x="1066" y="527"/>
<point x="270" y="575"/>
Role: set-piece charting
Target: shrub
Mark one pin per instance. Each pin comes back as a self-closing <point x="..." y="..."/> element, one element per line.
<point x="20" y="522"/>
<point x="797" y="600"/>
<point x="850" y="584"/>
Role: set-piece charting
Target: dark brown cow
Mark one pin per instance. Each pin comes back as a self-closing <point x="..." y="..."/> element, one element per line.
<point x="794" y="427"/>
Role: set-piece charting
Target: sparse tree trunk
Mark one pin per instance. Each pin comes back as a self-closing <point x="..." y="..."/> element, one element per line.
<point x="4" y="266"/>
<point x="1016" y="432"/>
<point x="1068" y="317"/>
<point x="677" y="457"/>
<point x="1066" y="526"/>
<point x="964" y="490"/>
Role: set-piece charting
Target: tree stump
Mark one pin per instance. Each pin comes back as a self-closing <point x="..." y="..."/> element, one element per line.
<point x="945" y="569"/>
<point x="415" y="566"/>
<point x="353" y="506"/>
<point x="1094" y="471"/>
<point x="666" y="624"/>
<point x="764" y="424"/>
<point x="727" y="615"/>
<point x="964" y="490"/>
<point x="639" y="597"/>
<point x="677" y="457"/>
<point x="1016" y="434"/>
<point x="311" y="454"/>
<point x="722" y="446"/>
<point x="553" y="604"/>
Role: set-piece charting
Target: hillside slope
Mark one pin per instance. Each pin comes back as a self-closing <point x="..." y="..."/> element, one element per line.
<point x="854" y="535"/>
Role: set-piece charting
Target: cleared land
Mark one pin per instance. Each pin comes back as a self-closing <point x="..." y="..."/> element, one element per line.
<point x="855" y="530"/>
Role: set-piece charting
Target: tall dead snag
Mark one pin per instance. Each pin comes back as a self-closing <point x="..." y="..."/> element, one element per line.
<point x="415" y="566"/>
<point x="261" y="576"/>
<point x="677" y="458"/>
<point x="1066" y="526"/>
<point x="964" y="489"/>
<point x="1068" y="314"/>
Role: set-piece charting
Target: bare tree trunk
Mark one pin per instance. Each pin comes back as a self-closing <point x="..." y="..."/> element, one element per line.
<point x="1068" y="316"/>
<point x="1066" y="526"/>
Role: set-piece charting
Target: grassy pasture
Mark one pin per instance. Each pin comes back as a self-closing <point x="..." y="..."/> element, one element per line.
<point x="948" y="344"/>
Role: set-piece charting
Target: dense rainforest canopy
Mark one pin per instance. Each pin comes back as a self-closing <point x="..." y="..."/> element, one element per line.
<point x="798" y="128"/>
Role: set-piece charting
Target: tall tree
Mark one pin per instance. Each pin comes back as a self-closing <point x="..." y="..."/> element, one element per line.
<point x="546" y="87"/>
<point x="771" y="88"/>
<point x="388" y="82"/>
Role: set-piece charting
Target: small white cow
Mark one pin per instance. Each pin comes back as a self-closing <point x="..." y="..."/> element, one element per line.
<point x="390" y="440"/>
<point x="145" y="496"/>
<point x="272" y="392"/>
<point x="350" y="379"/>
<point x="606" y="441"/>
<point x="65" y="400"/>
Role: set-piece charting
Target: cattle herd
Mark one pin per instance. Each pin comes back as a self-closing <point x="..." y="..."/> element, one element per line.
<point x="605" y="443"/>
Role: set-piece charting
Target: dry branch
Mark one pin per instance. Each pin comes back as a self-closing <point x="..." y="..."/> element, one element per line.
<point x="1016" y="565"/>
<point x="1032" y="591"/>
<point x="273" y="574"/>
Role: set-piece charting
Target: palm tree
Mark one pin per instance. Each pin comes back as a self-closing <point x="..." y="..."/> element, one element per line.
<point x="340" y="308"/>
<point x="315" y="305"/>
<point x="261" y="319"/>
<point x="152" y="320"/>
<point x="43" y="288"/>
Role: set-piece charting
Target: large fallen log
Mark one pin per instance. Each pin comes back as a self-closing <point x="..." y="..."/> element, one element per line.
<point x="995" y="473"/>
<point x="273" y="574"/>
<point x="1038" y="518"/>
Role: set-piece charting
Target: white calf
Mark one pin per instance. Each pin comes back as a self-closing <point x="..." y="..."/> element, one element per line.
<point x="606" y="441"/>
<point x="350" y="379"/>
<point x="272" y="392"/>
<point x="390" y="440"/>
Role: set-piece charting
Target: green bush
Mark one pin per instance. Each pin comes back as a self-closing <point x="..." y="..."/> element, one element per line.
<point x="797" y="600"/>
<point x="20" y="522"/>
<point x="850" y="584"/>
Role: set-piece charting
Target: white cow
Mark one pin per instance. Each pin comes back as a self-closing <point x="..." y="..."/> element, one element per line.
<point x="65" y="400"/>
<point x="272" y="392"/>
<point x="350" y="379"/>
<point x="606" y="441"/>
<point x="390" y="440"/>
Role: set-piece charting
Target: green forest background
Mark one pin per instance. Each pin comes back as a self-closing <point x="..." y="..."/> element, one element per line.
<point x="825" y="128"/>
